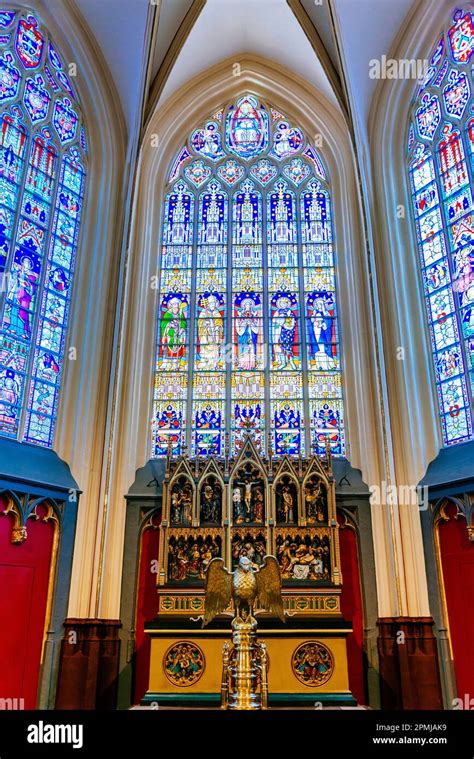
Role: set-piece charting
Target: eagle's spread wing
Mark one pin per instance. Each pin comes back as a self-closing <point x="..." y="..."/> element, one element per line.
<point x="269" y="587"/>
<point x="218" y="590"/>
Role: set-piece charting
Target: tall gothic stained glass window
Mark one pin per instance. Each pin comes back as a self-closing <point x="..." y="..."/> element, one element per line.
<point x="247" y="334"/>
<point x="42" y="178"/>
<point x="440" y="159"/>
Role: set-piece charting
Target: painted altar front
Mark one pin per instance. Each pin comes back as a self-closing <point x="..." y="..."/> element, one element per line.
<point x="250" y="505"/>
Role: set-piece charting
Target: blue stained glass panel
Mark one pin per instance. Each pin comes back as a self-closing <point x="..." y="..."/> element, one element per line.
<point x="10" y="78"/>
<point x="327" y="424"/>
<point x="48" y="358"/>
<point x="168" y="424"/>
<point x="254" y="319"/>
<point x="281" y="216"/>
<point x="37" y="239"/>
<point x="315" y="215"/>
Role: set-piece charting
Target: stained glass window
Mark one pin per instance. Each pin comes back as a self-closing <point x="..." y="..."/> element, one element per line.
<point x="440" y="159"/>
<point x="42" y="179"/>
<point x="247" y="336"/>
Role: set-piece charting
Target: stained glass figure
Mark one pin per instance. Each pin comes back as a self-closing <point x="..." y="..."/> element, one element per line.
<point x="173" y="331"/>
<point x="441" y="183"/>
<point x="286" y="140"/>
<point x="210" y="330"/>
<point x="284" y="331"/>
<point x="247" y="313"/>
<point x="248" y="326"/>
<point x="42" y="187"/>
<point x="208" y="141"/>
<point x="247" y="128"/>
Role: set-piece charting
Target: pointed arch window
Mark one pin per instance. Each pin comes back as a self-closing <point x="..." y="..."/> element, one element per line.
<point x="42" y="181"/>
<point x="440" y="161"/>
<point x="247" y="334"/>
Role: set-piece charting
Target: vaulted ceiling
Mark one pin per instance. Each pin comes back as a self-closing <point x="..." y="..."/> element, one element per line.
<point x="226" y="28"/>
<point x="153" y="47"/>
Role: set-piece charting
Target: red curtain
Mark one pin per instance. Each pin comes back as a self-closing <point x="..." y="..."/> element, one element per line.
<point x="24" y="578"/>
<point x="457" y="559"/>
<point x="147" y="607"/>
<point x="351" y="607"/>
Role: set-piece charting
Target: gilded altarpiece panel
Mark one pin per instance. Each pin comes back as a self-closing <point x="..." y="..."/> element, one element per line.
<point x="250" y="505"/>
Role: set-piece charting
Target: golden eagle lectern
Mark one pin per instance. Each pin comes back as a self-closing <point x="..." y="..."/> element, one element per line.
<point x="244" y="666"/>
<point x="244" y="586"/>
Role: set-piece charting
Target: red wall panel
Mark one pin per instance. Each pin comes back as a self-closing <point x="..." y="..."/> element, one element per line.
<point x="457" y="559"/>
<point x="351" y="607"/>
<point x="147" y="607"/>
<point x="24" y="577"/>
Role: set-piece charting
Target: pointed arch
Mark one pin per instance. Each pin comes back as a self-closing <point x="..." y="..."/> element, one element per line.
<point x="43" y="163"/>
<point x="443" y="209"/>
<point x="171" y="124"/>
<point x="257" y="281"/>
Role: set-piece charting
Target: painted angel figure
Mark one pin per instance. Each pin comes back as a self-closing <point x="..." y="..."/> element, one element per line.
<point x="244" y="586"/>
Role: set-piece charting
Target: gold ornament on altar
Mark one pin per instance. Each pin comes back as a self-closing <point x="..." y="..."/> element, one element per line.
<point x="312" y="663"/>
<point x="244" y="586"/>
<point x="244" y="682"/>
<point x="220" y="515"/>
<point x="183" y="663"/>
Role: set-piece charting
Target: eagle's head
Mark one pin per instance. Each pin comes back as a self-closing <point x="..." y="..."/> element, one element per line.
<point x="245" y="564"/>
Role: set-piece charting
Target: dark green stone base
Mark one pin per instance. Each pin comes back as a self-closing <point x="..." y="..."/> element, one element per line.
<point x="213" y="700"/>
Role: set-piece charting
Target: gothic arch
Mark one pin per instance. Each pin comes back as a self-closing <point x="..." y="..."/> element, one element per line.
<point x="167" y="130"/>
<point x="412" y="392"/>
<point x="409" y="377"/>
<point x="415" y="445"/>
<point x="81" y="423"/>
